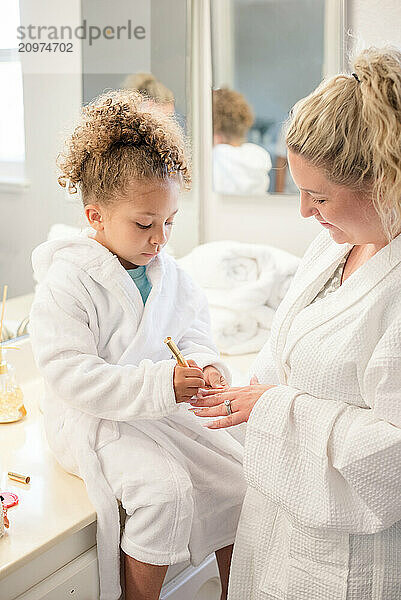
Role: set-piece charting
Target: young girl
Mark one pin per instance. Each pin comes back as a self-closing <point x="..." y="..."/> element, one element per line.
<point x="115" y="411"/>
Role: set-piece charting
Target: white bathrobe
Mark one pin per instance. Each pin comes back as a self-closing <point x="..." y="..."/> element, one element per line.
<point x="241" y="169"/>
<point x="321" y="518"/>
<point x="103" y="359"/>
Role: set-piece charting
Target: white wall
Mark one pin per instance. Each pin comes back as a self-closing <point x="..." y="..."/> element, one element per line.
<point x="273" y="220"/>
<point x="51" y="104"/>
<point x="373" y="22"/>
<point x="27" y="214"/>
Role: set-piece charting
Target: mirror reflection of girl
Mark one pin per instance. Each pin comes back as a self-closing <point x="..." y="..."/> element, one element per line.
<point x="115" y="409"/>
<point x="322" y="514"/>
<point x="239" y="167"/>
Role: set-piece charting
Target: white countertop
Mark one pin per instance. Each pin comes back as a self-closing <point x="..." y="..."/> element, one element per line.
<point x="54" y="504"/>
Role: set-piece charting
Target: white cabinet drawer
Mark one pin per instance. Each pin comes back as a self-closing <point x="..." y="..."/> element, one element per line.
<point x="43" y="566"/>
<point x="77" y="580"/>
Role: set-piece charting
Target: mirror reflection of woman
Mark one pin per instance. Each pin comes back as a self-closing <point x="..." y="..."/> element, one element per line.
<point x="322" y="514"/>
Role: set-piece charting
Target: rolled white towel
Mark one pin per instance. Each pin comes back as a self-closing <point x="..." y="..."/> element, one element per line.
<point x="254" y="273"/>
<point x="241" y="332"/>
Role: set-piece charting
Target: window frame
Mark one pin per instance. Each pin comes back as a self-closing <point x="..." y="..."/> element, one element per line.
<point x="12" y="173"/>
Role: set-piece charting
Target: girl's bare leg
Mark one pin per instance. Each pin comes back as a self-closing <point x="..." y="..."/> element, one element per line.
<point x="223" y="557"/>
<point x="143" y="581"/>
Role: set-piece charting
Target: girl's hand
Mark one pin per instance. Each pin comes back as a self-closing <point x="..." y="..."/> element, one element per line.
<point x="242" y="400"/>
<point x="187" y="381"/>
<point x="213" y="377"/>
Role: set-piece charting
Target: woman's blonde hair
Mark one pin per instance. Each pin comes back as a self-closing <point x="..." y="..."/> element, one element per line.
<point x="121" y="138"/>
<point x="148" y="85"/>
<point x="350" y="126"/>
<point x="232" y="115"/>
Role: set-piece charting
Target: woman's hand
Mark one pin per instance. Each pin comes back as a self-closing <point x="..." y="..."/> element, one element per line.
<point x="210" y="403"/>
<point x="187" y="381"/>
<point x="213" y="377"/>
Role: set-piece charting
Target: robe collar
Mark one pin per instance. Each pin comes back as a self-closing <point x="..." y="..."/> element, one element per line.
<point x="315" y="273"/>
<point x="107" y="270"/>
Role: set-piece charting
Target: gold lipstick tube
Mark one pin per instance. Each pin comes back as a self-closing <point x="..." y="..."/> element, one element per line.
<point x="18" y="477"/>
<point x="174" y="349"/>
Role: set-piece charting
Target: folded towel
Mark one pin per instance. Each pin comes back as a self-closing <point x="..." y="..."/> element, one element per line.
<point x="241" y="332"/>
<point x="244" y="284"/>
<point x="255" y="274"/>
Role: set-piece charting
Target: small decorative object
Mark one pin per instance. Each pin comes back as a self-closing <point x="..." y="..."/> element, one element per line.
<point x="11" y="405"/>
<point x="3" y="517"/>
<point x="9" y="499"/>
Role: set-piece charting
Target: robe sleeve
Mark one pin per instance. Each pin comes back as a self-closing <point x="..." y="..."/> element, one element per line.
<point x="330" y="464"/>
<point x="264" y="366"/>
<point x="197" y="342"/>
<point x="66" y="354"/>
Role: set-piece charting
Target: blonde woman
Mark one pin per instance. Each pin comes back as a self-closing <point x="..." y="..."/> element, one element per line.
<point x="239" y="167"/>
<point x="321" y="518"/>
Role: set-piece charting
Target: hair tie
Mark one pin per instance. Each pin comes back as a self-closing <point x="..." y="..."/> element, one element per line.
<point x="74" y="194"/>
<point x="356" y="77"/>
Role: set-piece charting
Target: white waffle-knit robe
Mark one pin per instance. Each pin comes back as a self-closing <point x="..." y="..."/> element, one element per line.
<point x="102" y="356"/>
<point x="321" y="518"/>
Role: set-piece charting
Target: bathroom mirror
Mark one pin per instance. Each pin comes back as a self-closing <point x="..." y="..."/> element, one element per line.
<point x="268" y="54"/>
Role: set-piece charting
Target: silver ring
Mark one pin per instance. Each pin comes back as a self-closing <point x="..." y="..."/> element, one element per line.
<point x="228" y="406"/>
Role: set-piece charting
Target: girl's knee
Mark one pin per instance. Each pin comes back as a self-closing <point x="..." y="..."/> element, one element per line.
<point x="162" y="495"/>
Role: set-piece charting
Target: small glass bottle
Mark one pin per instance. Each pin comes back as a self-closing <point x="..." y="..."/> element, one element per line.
<point x="11" y="397"/>
<point x="1" y="517"/>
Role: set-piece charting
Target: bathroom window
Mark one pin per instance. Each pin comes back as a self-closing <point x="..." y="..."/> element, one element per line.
<point x="12" y="141"/>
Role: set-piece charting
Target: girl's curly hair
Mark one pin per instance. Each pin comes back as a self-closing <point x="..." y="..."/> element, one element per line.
<point x="121" y="137"/>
